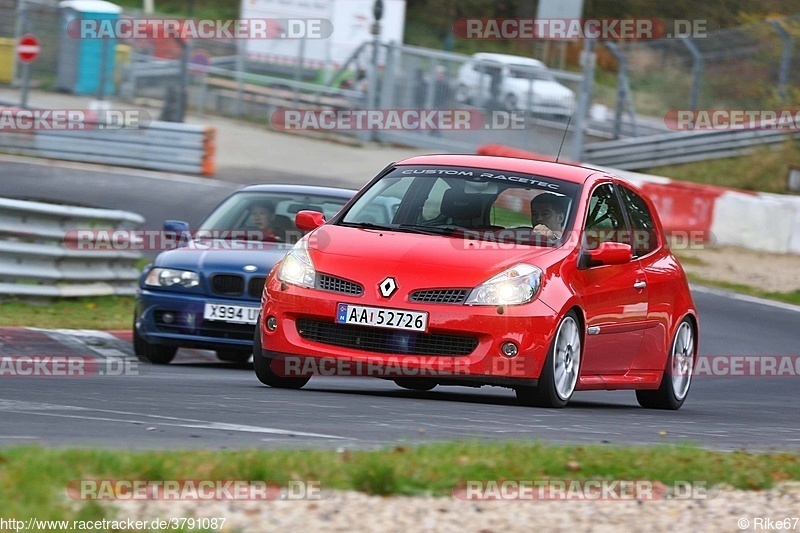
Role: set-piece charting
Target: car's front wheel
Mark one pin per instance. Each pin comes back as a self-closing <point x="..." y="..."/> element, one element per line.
<point x="677" y="373"/>
<point x="263" y="367"/>
<point x="560" y="372"/>
<point x="151" y="353"/>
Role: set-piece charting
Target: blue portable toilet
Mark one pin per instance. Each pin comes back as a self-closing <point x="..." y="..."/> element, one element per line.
<point x="82" y="62"/>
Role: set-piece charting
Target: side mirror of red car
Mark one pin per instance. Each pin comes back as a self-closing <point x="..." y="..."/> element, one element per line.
<point x="606" y="253"/>
<point x="309" y="220"/>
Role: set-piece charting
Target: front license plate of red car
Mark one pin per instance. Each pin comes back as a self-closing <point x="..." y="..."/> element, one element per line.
<point x="236" y="314"/>
<point x="381" y="317"/>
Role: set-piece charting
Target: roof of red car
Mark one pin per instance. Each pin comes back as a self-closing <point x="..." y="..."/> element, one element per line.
<point x="567" y="172"/>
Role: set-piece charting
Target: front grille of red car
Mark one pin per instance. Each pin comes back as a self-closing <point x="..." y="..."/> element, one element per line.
<point x="385" y="340"/>
<point x="440" y="296"/>
<point x="326" y="282"/>
<point x="227" y="284"/>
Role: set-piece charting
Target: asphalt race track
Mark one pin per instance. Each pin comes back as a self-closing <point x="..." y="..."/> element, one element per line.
<point x="199" y="402"/>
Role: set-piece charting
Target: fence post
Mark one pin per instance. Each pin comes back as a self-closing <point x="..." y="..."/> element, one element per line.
<point x="786" y="58"/>
<point x="697" y="68"/>
<point x="239" y="78"/>
<point x="588" y="61"/>
<point x="623" y="91"/>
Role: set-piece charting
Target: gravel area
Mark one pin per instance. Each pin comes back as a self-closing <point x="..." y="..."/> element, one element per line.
<point x="352" y="511"/>
<point x="769" y="272"/>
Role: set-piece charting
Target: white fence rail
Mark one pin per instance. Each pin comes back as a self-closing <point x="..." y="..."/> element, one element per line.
<point x="35" y="260"/>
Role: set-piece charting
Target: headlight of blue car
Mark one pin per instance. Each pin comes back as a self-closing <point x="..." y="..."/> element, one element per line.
<point x="169" y="277"/>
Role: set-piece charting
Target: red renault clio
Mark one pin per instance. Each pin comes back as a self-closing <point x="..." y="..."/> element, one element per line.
<point x="543" y="277"/>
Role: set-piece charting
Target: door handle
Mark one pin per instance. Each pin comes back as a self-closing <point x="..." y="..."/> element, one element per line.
<point x="639" y="285"/>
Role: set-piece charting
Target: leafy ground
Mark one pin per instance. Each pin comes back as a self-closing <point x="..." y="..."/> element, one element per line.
<point x="33" y="480"/>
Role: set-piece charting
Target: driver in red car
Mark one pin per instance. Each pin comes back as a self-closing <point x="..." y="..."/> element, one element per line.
<point x="548" y="214"/>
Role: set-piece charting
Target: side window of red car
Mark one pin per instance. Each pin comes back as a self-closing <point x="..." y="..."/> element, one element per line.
<point x="605" y="222"/>
<point x="645" y="238"/>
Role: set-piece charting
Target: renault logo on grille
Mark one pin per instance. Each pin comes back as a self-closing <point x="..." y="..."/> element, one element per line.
<point x="388" y="287"/>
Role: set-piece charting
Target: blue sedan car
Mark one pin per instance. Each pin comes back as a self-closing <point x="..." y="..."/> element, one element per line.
<point x="206" y="292"/>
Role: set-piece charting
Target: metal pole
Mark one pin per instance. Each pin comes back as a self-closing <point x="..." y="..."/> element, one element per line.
<point x="298" y="70"/>
<point x="584" y="99"/>
<point x="697" y="69"/>
<point x="239" y="78"/>
<point x="26" y="81"/>
<point x="101" y="88"/>
<point x="184" y="80"/>
<point x="786" y="58"/>
<point x="19" y="30"/>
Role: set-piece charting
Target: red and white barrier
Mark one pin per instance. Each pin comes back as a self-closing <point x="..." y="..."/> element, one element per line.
<point x="728" y="217"/>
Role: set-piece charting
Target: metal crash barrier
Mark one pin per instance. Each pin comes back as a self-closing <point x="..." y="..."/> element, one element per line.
<point x="36" y="261"/>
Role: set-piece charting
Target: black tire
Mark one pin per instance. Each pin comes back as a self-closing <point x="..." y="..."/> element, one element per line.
<point x="151" y="353"/>
<point x="421" y="385"/>
<point x="263" y="367"/>
<point x="665" y="396"/>
<point x="545" y="394"/>
<point x="238" y="357"/>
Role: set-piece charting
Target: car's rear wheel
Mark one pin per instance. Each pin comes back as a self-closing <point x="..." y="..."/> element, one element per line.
<point x="151" y="353"/>
<point x="238" y="357"/>
<point x="560" y="372"/>
<point x="263" y="367"/>
<point x="415" y="384"/>
<point x="677" y="373"/>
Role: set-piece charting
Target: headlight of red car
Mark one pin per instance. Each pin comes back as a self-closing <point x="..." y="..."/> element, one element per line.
<point x="297" y="267"/>
<point x="514" y="286"/>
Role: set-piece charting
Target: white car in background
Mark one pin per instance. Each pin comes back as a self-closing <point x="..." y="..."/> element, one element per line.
<point x="523" y="84"/>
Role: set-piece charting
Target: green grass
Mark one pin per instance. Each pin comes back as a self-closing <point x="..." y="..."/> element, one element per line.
<point x="103" y="312"/>
<point x="765" y="170"/>
<point x="33" y="480"/>
<point x="224" y="9"/>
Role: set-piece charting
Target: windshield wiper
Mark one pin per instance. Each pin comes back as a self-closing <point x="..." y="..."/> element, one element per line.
<point x="367" y="225"/>
<point x="433" y="230"/>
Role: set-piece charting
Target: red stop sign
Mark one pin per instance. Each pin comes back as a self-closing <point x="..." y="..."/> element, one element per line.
<point x="28" y="48"/>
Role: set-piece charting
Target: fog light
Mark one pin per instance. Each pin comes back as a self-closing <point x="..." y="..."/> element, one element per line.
<point x="509" y="349"/>
<point x="272" y="323"/>
<point x="168" y="318"/>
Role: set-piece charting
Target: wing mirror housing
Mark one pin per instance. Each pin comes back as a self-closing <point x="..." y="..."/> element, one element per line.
<point x="309" y="220"/>
<point x="606" y="253"/>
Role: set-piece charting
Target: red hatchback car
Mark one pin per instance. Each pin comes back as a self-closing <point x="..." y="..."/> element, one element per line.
<point x="546" y="278"/>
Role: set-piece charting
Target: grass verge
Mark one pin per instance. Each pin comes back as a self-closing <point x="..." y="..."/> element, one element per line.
<point x="33" y="480"/>
<point x="764" y="170"/>
<point x="102" y="312"/>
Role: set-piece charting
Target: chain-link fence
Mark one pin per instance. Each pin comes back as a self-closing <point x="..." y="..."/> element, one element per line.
<point x="749" y="67"/>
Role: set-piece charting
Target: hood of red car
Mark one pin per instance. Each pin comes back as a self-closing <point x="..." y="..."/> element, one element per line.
<point x="340" y="250"/>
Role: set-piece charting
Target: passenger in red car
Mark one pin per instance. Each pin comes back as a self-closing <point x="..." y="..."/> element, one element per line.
<point x="548" y="213"/>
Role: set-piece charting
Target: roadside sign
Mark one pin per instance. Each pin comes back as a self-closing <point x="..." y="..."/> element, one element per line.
<point x="28" y="48"/>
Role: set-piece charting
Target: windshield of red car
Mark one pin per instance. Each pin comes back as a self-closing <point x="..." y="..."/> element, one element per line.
<point x="471" y="202"/>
